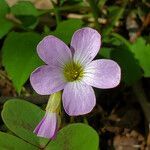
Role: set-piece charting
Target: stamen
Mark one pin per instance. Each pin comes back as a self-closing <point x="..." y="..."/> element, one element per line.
<point x="72" y="71"/>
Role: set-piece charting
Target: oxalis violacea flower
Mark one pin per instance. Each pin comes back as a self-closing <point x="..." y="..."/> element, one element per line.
<point x="49" y="125"/>
<point x="73" y="71"/>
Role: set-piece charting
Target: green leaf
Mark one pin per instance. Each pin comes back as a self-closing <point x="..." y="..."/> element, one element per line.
<point x="27" y="13"/>
<point x="121" y="39"/>
<point x="75" y="137"/>
<point x="24" y="8"/>
<point x="22" y="117"/>
<point x="10" y="142"/>
<point x="28" y="22"/>
<point x="140" y="51"/>
<point x="142" y="54"/>
<point x="4" y="9"/>
<point x="65" y="29"/>
<point x="131" y="71"/>
<point x="20" y="56"/>
<point x="105" y="52"/>
<point x="5" y="27"/>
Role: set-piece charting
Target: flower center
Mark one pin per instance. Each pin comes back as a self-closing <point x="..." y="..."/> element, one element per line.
<point x="73" y="71"/>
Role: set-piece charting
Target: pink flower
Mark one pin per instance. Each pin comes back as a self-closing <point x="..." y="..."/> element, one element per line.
<point x="48" y="126"/>
<point x="73" y="71"/>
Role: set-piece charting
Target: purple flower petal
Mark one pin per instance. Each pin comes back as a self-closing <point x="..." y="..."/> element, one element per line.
<point x="78" y="98"/>
<point x="53" y="51"/>
<point x="86" y="43"/>
<point x="47" y="128"/>
<point x="46" y="80"/>
<point x="102" y="73"/>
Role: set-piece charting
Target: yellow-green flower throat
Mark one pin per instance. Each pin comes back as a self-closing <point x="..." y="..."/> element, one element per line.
<point x="73" y="71"/>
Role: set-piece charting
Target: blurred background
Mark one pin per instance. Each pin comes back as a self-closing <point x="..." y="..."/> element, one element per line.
<point x="122" y="115"/>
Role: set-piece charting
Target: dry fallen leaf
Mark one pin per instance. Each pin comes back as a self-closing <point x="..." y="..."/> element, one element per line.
<point x="39" y="4"/>
<point x="125" y="143"/>
<point x="43" y="4"/>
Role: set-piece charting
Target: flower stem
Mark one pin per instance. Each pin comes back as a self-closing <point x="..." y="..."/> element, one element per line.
<point x="72" y="119"/>
<point x="54" y="102"/>
<point x="142" y="99"/>
<point x="95" y="11"/>
<point x="85" y="120"/>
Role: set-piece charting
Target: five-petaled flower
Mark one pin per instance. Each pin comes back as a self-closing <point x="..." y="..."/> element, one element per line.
<point x="73" y="71"/>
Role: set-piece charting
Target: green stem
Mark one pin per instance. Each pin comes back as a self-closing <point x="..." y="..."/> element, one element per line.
<point x="58" y="17"/>
<point x="85" y="120"/>
<point x="95" y="11"/>
<point x="142" y="99"/>
<point x="72" y="119"/>
<point x="57" y="13"/>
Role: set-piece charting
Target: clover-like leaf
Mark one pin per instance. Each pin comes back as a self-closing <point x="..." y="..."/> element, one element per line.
<point x="21" y="117"/>
<point x="20" y="57"/>
<point x="76" y="136"/>
<point x="10" y="142"/>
